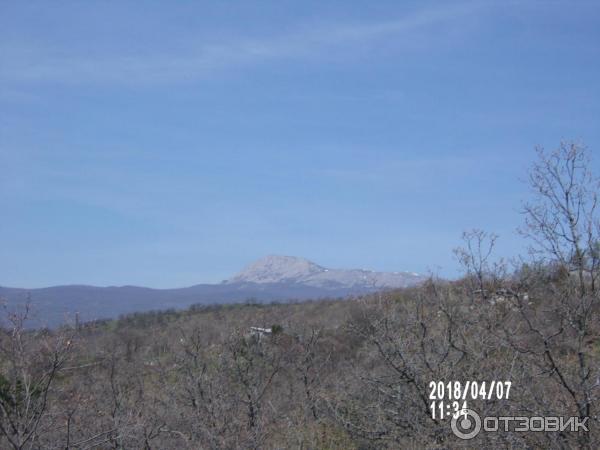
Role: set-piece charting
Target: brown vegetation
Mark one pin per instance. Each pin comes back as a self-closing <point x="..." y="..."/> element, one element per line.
<point x="334" y="374"/>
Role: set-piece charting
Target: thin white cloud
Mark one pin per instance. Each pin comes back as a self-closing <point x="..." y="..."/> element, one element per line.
<point x="31" y="64"/>
<point x="409" y="171"/>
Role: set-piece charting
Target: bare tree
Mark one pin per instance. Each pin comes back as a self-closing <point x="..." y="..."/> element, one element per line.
<point x="563" y="225"/>
<point x="561" y="220"/>
<point x="251" y="365"/>
<point x="483" y="274"/>
<point x="29" y="365"/>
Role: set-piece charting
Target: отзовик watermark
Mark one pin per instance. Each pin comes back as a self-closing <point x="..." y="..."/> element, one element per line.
<point x="469" y="424"/>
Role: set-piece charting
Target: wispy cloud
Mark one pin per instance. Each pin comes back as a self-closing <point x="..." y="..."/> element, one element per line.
<point x="26" y="63"/>
<point x="411" y="171"/>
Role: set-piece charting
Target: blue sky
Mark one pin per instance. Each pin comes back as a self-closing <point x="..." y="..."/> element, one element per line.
<point x="170" y="143"/>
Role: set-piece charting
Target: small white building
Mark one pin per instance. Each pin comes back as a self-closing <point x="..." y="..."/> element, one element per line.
<point x="257" y="331"/>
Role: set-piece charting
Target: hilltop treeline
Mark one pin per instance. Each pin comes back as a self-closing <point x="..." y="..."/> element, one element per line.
<point x="352" y="374"/>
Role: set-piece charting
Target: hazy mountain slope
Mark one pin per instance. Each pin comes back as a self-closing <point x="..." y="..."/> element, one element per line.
<point x="52" y="306"/>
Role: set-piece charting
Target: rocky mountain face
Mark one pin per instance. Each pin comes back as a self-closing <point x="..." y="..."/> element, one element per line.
<point x="294" y="270"/>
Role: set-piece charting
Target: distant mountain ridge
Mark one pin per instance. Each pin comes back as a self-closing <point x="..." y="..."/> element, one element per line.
<point x="272" y="278"/>
<point x="291" y="269"/>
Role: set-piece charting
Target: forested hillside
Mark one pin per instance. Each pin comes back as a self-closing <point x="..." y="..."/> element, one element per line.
<point x="332" y="374"/>
<point x="351" y="374"/>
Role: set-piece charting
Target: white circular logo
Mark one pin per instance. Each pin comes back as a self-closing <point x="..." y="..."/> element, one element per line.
<point x="467" y="425"/>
